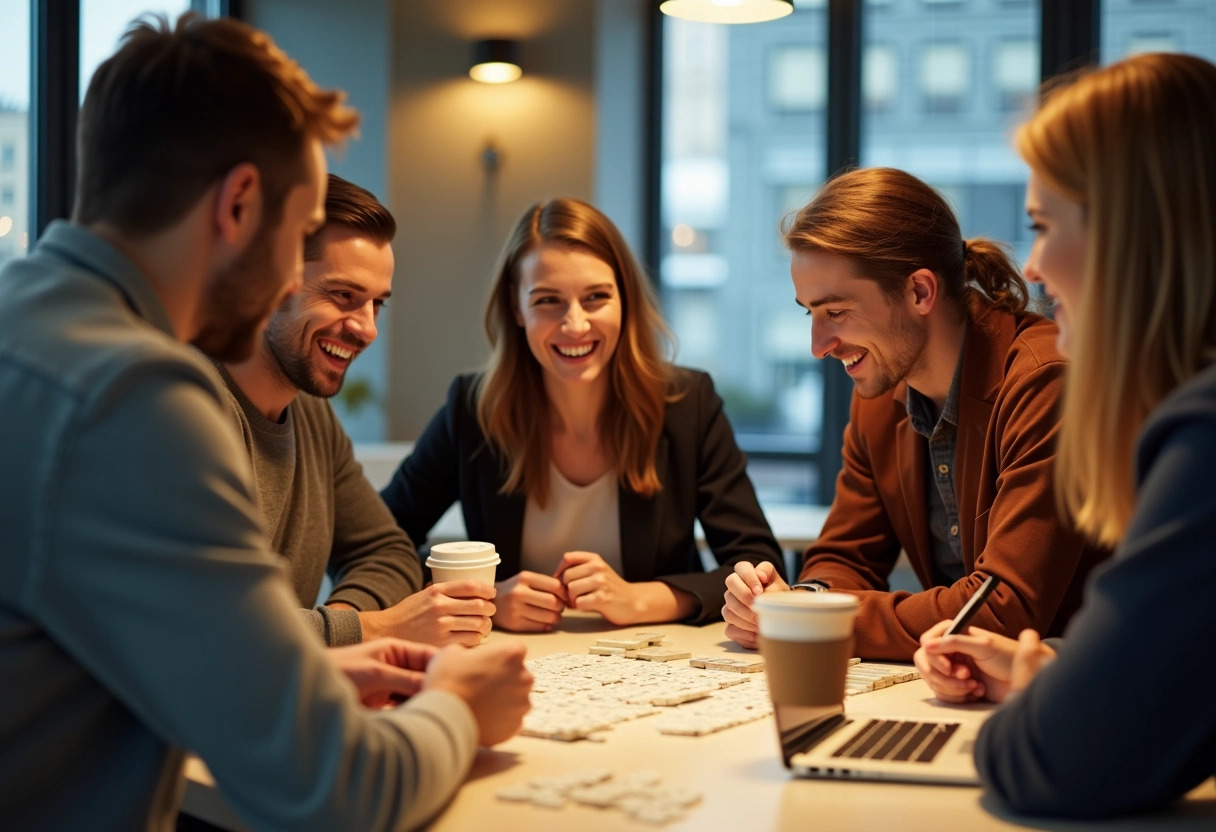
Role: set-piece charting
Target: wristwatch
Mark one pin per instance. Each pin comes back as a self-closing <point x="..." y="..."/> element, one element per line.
<point x="813" y="585"/>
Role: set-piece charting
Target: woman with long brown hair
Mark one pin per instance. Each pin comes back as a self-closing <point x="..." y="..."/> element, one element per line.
<point x="580" y="451"/>
<point x="1122" y="198"/>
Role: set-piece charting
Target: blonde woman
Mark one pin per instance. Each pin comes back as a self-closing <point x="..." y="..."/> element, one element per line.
<point x="580" y="451"/>
<point x="1122" y="198"/>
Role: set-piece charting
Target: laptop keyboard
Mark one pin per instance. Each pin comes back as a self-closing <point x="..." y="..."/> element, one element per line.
<point x="888" y="739"/>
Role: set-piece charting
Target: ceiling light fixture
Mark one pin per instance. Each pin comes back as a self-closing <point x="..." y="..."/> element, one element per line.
<point x="727" y="11"/>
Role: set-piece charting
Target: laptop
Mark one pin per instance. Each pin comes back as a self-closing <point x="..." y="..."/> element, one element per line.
<point x="825" y="742"/>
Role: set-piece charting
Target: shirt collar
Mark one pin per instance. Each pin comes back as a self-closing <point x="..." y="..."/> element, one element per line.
<point x="77" y="245"/>
<point x="920" y="408"/>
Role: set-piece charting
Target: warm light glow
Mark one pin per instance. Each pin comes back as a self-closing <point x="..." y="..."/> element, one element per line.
<point x="683" y="235"/>
<point x="495" y="72"/>
<point x="727" y="11"/>
<point x="6" y="225"/>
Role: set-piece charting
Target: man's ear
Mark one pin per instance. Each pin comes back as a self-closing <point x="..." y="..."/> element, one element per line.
<point x="239" y="205"/>
<point x="923" y="291"/>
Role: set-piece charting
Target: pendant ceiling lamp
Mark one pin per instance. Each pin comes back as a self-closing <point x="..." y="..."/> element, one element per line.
<point x="727" y="11"/>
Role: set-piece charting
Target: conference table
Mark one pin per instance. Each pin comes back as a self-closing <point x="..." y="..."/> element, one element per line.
<point x="738" y="771"/>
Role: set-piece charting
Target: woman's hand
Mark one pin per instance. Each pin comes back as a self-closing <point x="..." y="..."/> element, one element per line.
<point x="529" y="603"/>
<point x="979" y="665"/>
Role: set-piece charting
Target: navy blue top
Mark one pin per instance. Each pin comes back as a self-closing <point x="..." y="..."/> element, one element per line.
<point x="1123" y="719"/>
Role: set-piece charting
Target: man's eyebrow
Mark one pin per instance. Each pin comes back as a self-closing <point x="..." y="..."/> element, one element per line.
<point x="828" y="299"/>
<point x="346" y="283"/>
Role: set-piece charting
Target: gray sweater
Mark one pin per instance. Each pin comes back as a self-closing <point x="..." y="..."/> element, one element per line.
<point x="141" y="610"/>
<point x="1122" y="720"/>
<point x="322" y="513"/>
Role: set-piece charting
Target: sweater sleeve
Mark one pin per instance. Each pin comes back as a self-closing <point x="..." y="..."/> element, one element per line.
<point x="372" y="562"/>
<point x="162" y="587"/>
<point x="735" y="527"/>
<point x="1104" y="729"/>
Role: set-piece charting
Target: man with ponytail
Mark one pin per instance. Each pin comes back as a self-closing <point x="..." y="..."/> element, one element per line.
<point x="950" y="447"/>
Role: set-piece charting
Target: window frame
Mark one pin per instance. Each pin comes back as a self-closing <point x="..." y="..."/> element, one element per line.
<point x="1069" y="38"/>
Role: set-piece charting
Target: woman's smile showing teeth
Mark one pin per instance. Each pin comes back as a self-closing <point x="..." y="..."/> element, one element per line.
<point x="574" y="350"/>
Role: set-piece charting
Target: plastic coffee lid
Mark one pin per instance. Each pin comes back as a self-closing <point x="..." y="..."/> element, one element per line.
<point x="812" y="601"/>
<point x="474" y="563"/>
<point x="806" y="616"/>
<point x="464" y="549"/>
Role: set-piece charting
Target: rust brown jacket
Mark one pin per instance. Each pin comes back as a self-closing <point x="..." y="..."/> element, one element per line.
<point x="1008" y="420"/>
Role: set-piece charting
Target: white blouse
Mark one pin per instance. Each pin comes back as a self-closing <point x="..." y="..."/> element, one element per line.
<point x="584" y="518"/>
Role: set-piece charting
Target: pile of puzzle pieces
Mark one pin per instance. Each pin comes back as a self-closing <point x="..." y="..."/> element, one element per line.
<point x="649" y="647"/>
<point x="640" y="794"/>
<point x="645" y="646"/>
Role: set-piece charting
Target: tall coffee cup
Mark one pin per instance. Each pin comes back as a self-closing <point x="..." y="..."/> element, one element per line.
<point x="806" y="639"/>
<point x="465" y="560"/>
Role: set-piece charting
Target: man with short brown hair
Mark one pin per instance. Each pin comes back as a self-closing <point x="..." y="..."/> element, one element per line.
<point x="142" y="612"/>
<point x="320" y="511"/>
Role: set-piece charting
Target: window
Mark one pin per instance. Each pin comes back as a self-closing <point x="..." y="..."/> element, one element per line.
<point x="733" y="164"/>
<point x="797" y="78"/>
<point x="103" y="22"/>
<point x="1150" y="42"/>
<point x="879" y="77"/>
<point x="15" y="35"/>
<point x="944" y="77"/>
<point x="1129" y="28"/>
<point x="956" y="134"/>
<point x="1015" y="71"/>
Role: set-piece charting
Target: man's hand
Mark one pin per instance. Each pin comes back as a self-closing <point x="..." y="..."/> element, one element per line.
<point x="383" y="670"/>
<point x="979" y="665"/>
<point x="748" y="582"/>
<point x="456" y="612"/>
<point x="491" y="679"/>
<point x="530" y="603"/>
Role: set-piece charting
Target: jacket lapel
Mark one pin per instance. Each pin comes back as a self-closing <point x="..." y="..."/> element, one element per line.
<point x="989" y="336"/>
<point x="639" y="523"/>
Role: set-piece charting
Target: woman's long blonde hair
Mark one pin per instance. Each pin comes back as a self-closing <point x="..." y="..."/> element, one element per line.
<point x="511" y="403"/>
<point x="1134" y="144"/>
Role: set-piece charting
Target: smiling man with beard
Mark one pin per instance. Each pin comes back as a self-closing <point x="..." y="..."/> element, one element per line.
<point x="949" y="453"/>
<point x="320" y="511"/>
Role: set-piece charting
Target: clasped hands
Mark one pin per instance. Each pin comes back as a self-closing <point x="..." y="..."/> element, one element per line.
<point x="533" y="602"/>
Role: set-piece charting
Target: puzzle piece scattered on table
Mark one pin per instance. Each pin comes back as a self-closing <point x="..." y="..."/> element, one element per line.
<point x="639" y="641"/>
<point x="735" y="664"/>
<point x="639" y="794"/>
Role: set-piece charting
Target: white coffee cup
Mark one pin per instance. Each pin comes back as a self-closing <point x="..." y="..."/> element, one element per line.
<point x="465" y="560"/>
<point x="806" y="639"/>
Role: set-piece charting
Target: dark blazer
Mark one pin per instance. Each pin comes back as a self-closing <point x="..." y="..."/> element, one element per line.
<point x="702" y="471"/>
<point x="1009" y="523"/>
